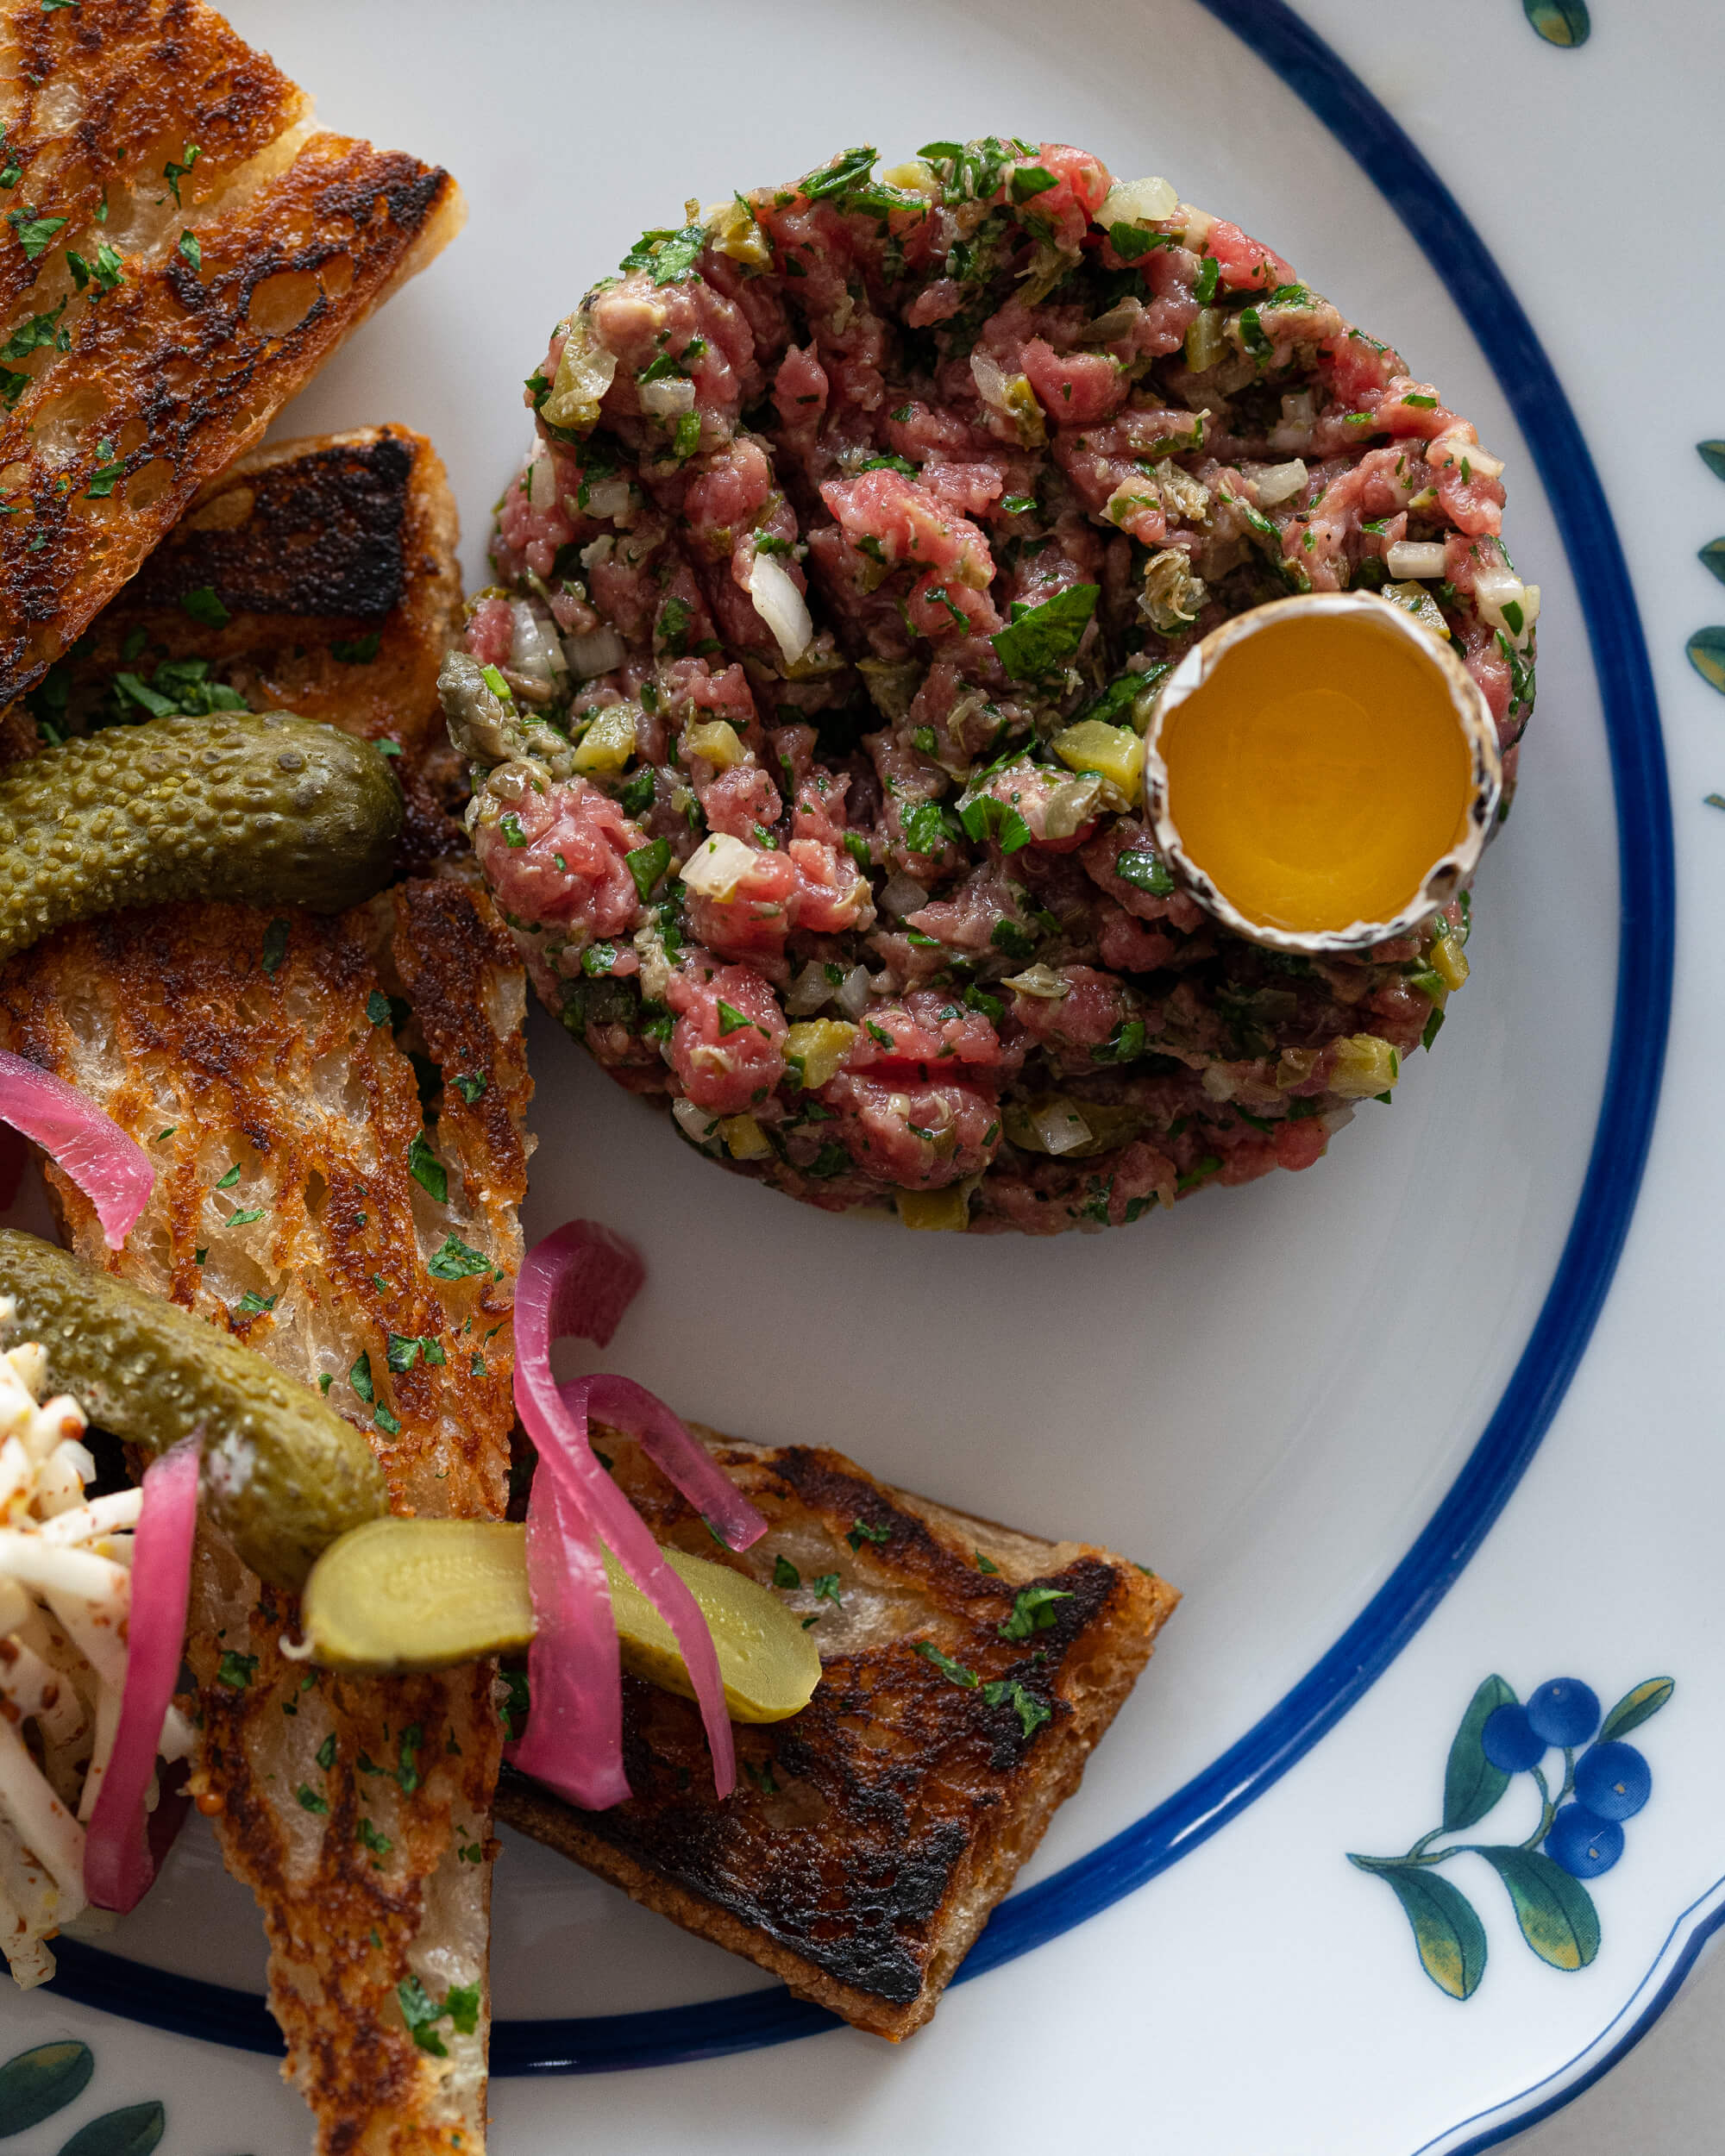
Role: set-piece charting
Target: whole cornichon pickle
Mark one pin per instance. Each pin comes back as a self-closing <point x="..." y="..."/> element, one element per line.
<point x="283" y="1475"/>
<point x="259" y="807"/>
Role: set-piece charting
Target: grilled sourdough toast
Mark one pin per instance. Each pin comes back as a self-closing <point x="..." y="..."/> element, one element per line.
<point x="182" y="248"/>
<point x="335" y="1110"/>
<point x="968" y="1671"/>
<point x="316" y="576"/>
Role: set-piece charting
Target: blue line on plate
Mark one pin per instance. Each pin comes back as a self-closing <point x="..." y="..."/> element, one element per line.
<point x="670" y="2035"/>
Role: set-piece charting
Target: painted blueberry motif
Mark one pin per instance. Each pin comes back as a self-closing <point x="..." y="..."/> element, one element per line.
<point x="1582" y="1843"/>
<point x="1508" y="1742"/>
<point x="1577" y="1836"/>
<point x="1614" y="1781"/>
<point x="1565" y="1711"/>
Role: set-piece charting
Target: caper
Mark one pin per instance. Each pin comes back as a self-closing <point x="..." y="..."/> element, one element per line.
<point x="283" y="1475"/>
<point x="262" y="808"/>
<point x="424" y="1594"/>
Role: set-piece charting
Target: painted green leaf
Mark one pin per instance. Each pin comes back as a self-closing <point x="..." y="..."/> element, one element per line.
<point x="1635" y="1708"/>
<point x="37" y="2083"/>
<point x="1471" y="1784"/>
<point x="1449" y="1935"/>
<point x="1559" y="22"/>
<point x="1713" y="456"/>
<point x="132" y="2132"/>
<point x="1706" y="650"/>
<point x="1713" y="554"/>
<point x="1555" y="1911"/>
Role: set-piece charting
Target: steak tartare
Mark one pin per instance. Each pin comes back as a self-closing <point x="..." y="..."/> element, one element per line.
<point x="863" y="517"/>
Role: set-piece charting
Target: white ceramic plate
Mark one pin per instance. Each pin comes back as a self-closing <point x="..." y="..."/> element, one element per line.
<point x="1305" y="1401"/>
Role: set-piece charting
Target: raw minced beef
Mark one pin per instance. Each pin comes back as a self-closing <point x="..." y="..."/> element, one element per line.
<point x="862" y="518"/>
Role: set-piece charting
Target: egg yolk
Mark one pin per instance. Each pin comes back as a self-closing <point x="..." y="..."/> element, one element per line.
<point x="1318" y="773"/>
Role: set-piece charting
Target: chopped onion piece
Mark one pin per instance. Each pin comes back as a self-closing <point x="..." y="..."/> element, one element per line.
<point x="851" y="995"/>
<point x="668" y="399"/>
<point x="605" y="498"/>
<point x="600" y="651"/>
<point x="696" y="1125"/>
<point x="781" y="606"/>
<point x="110" y="1169"/>
<point x="536" y="650"/>
<point x="990" y="379"/>
<point x="1414" y="557"/>
<point x="1496" y="592"/>
<point x="541" y="484"/>
<point x="1280" y="482"/>
<point x="1138" y="202"/>
<point x="903" y="894"/>
<point x="718" y="865"/>
<point x="1060" y="1126"/>
<point x="118" y="1866"/>
<point x="809" y="990"/>
<point x="1039" y="981"/>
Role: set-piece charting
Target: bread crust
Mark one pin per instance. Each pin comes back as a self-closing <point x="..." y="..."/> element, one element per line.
<point x="871" y="1835"/>
<point x="229" y="277"/>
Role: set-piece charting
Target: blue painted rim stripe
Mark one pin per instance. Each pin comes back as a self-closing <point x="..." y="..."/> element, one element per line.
<point x="671" y="2035"/>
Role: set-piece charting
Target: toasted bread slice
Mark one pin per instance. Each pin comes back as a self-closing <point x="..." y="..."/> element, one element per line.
<point x="333" y="559"/>
<point x="871" y="1834"/>
<point x="282" y="1097"/>
<point x="183" y="249"/>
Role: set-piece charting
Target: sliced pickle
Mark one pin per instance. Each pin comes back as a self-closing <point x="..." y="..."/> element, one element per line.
<point x="418" y="1594"/>
<point x="426" y="1594"/>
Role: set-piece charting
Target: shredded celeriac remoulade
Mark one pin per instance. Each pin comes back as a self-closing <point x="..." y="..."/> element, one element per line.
<point x="64" y="1598"/>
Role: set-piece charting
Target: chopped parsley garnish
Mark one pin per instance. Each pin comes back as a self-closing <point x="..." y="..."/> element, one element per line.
<point x="762" y="1776"/>
<point x="954" y="1672"/>
<point x="101" y="482"/>
<point x="378" y="1007"/>
<point x="310" y="1801"/>
<point x="227" y="1181"/>
<point x="1205" y="1169"/>
<point x="785" y="1574"/>
<point x="1013" y="938"/>
<point x="510" y="826"/>
<point x="832" y="1160"/>
<point x="894" y="464"/>
<point x="251" y="1304"/>
<point x="356" y="651"/>
<point x="35" y="333"/>
<point x="514" y="1708"/>
<point x="1252" y="336"/>
<point x="1043" y="637"/>
<point x="454" y="1260"/>
<point x="177" y="168"/>
<point x="191" y="250"/>
<point x="1426" y="403"/>
<point x="34" y="234"/>
<point x="846" y="174"/>
<point x="380" y="1845"/>
<point x="1031" y="179"/>
<point x="326" y="1752"/>
<point x="275" y="943"/>
<point x="730" y="1018"/>
<point x="1204" y="284"/>
<point x="986" y="1565"/>
<point x="670" y="256"/>
<point x="470" y="1085"/>
<point x="636" y="796"/>
<point x="404" y="1352"/>
<point x="825" y="1589"/>
<point x="427" y="1170"/>
<point x="647" y="864"/>
<point x="1143" y="867"/>
<point x="359" y="1377"/>
<point x="686" y="439"/>
<point x="928" y="825"/>
<point x="407" y="1769"/>
<point x="461" y="2009"/>
<point x="880" y="1033"/>
<point x="1032" y="1611"/>
<point x="860" y="1532"/>
<point x="1032" y="1712"/>
<point x="204" y="605"/>
<point x="991" y="1006"/>
<point x="324" y="1381"/>
<point x="984" y="816"/>
<point x="386" y="1421"/>
<point x="236" y="1671"/>
<point x="105" y="272"/>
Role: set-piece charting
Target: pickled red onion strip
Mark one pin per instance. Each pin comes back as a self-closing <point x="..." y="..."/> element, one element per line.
<point x="118" y="1866"/>
<point x="580" y="1280"/>
<point x="110" y="1169"/>
<point x="679" y="1457"/>
<point x="574" y="1739"/>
